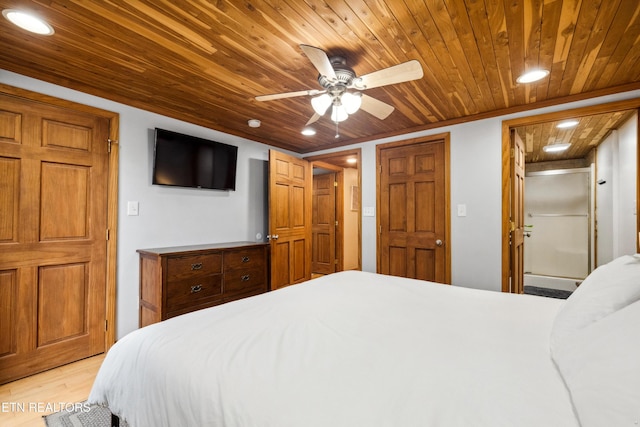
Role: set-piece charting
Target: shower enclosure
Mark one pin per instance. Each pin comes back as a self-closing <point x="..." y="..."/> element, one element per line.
<point x="558" y="228"/>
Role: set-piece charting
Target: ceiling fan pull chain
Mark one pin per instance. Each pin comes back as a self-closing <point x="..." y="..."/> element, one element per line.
<point x="337" y="133"/>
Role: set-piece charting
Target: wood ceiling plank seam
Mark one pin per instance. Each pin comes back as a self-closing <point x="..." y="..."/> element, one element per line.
<point x="565" y="32"/>
<point x="550" y="20"/>
<point x="384" y="13"/>
<point x="479" y="22"/>
<point x="230" y="69"/>
<point x="624" y="23"/>
<point x="592" y="66"/>
<point x="434" y="88"/>
<point x="358" y="11"/>
<point x="461" y="64"/>
<point x="254" y="33"/>
<point x="163" y="20"/>
<point x="514" y="19"/>
<point x="497" y="23"/>
<point x="440" y="61"/>
<point x="324" y="18"/>
<point x="582" y="33"/>
<point x="197" y="60"/>
<point x="532" y="32"/>
<point x="316" y="35"/>
<point x="625" y="47"/>
<point x="401" y="13"/>
<point x="127" y="21"/>
<point x="471" y="47"/>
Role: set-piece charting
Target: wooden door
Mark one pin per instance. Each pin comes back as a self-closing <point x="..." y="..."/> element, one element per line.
<point x="516" y="261"/>
<point x="413" y="210"/>
<point x="53" y="222"/>
<point x="290" y="198"/>
<point x="324" y="224"/>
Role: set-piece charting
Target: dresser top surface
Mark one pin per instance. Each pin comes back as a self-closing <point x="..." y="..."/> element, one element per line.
<point x="202" y="247"/>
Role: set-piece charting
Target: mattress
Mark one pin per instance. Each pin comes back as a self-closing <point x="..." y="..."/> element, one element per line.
<point x="348" y="349"/>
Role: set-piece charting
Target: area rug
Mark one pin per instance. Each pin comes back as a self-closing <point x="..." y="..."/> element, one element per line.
<point x="83" y="415"/>
<point x="546" y="292"/>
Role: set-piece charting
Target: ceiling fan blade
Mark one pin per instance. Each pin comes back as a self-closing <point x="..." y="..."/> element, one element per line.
<point x="313" y="119"/>
<point x="375" y="107"/>
<point x="407" y="71"/>
<point x="320" y="60"/>
<point x="310" y="92"/>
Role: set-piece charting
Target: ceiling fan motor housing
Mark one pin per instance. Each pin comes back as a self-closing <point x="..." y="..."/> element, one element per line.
<point x="344" y="74"/>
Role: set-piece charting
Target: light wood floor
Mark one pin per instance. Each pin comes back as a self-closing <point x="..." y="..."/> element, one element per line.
<point x="24" y="402"/>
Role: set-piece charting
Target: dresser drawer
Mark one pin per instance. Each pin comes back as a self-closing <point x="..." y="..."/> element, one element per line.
<point x="192" y="291"/>
<point x="193" y="266"/>
<point x="244" y="281"/>
<point x="244" y="259"/>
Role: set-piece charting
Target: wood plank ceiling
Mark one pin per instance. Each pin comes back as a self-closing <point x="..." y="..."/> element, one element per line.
<point x="205" y="61"/>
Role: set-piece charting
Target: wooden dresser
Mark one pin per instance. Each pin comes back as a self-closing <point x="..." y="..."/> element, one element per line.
<point x="177" y="280"/>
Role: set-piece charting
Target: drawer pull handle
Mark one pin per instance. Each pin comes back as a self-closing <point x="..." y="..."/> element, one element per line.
<point x="245" y="278"/>
<point x="245" y="259"/>
<point x="196" y="266"/>
<point x="196" y="289"/>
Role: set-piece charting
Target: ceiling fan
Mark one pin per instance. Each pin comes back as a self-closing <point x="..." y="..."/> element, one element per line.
<point x="342" y="89"/>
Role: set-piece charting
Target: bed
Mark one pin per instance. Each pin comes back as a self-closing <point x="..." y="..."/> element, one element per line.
<point x="363" y="349"/>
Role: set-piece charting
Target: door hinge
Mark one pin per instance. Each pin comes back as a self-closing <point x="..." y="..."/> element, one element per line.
<point x="335" y="183"/>
<point x="513" y="153"/>
<point x="106" y="325"/>
<point x="335" y="261"/>
<point x="380" y="168"/>
<point x="336" y="223"/>
<point x="107" y="234"/>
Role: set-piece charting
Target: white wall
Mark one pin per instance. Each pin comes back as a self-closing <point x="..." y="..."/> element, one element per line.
<point x="616" y="198"/>
<point x="171" y="217"/>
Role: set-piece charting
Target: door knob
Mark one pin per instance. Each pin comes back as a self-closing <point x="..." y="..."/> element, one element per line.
<point x="438" y="242"/>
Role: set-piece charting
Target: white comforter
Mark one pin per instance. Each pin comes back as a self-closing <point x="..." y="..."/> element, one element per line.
<point x="349" y="349"/>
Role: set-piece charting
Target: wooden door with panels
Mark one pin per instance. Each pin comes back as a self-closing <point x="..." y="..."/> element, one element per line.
<point x="324" y="223"/>
<point x="413" y="209"/>
<point x="54" y="165"/>
<point x="290" y="199"/>
<point x="516" y="238"/>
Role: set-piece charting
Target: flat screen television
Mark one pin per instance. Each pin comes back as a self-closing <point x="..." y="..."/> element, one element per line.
<point x="188" y="161"/>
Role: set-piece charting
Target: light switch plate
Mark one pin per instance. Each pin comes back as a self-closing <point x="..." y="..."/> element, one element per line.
<point x="368" y="211"/>
<point x="462" y="210"/>
<point x="132" y="208"/>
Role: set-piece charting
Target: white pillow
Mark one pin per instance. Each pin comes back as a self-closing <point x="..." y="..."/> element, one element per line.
<point x="600" y="365"/>
<point x="606" y="290"/>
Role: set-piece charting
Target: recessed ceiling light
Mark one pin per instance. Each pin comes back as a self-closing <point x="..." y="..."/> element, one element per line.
<point x="532" y="76"/>
<point x="555" y="148"/>
<point x="28" y="22"/>
<point x="567" y="124"/>
<point x="352" y="160"/>
<point x="308" y="131"/>
<point x="254" y="123"/>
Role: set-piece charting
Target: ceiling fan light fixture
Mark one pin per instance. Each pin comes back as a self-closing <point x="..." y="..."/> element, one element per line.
<point x="308" y="131"/>
<point x="351" y="101"/>
<point x="533" y="76"/>
<point x="28" y="22"/>
<point x="339" y="113"/>
<point x="555" y="148"/>
<point x="321" y="103"/>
